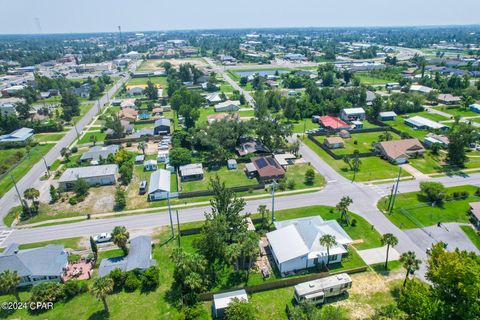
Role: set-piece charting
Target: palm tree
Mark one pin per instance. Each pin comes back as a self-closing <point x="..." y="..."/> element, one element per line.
<point x="410" y="262"/>
<point x="93" y="139"/>
<point x="356" y="162"/>
<point x="389" y="240"/>
<point x="100" y="288"/>
<point x="328" y="241"/>
<point x="142" y="146"/>
<point x="9" y="281"/>
<point x="65" y="153"/>
<point x="343" y="205"/>
<point x="32" y="194"/>
<point x="120" y="237"/>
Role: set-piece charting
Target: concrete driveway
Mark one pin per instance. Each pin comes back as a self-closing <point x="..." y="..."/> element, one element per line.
<point x="450" y="233"/>
<point x="378" y="255"/>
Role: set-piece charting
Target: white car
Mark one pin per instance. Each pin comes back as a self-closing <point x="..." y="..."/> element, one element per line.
<point x="103" y="237"/>
<point x="163" y="147"/>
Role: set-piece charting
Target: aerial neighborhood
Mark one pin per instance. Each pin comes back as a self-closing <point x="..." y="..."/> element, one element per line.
<point x="280" y="173"/>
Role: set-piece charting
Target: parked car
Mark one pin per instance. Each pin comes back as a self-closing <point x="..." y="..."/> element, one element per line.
<point x="102" y="237"/>
<point x="143" y="187"/>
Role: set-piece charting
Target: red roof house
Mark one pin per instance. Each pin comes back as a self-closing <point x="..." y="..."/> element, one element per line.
<point x="334" y="123"/>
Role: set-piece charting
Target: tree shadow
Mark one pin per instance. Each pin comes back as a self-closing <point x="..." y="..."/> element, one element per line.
<point x="99" y="315"/>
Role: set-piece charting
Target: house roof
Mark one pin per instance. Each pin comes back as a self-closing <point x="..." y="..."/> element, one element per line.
<point x="18" y="135"/>
<point x="128" y="113"/>
<point x="397" y="148"/>
<point x="332" y="122"/>
<point x="388" y="114"/>
<point x="421" y="121"/>
<point x="73" y="174"/>
<point x="159" y="181"/>
<point x="284" y="158"/>
<point x="475" y="209"/>
<point x="162" y="122"/>
<point x="227" y="104"/>
<point x="267" y="166"/>
<point x="97" y="152"/>
<point x="334" y="140"/>
<point x="192" y="169"/>
<point x="437" y="138"/>
<point x="448" y="98"/>
<point x="350" y="111"/>
<point x="139" y="257"/>
<point x="419" y="88"/>
<point x="251" y="146"/>
<point x="222" y="300"/>
<point x="47" y="260"/>
<point x="298" y="237"/>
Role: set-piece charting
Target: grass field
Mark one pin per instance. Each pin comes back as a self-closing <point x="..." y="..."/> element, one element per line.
<point x="301" y="126"/>
<point x="399" y="125"/>
<point x="204" y="113"/>
<point x="35" y="155"/>
<point x="86" y="138"/>
<point x="161" y="81"/>
<point x="232" y="178"/>
<point x="431" y="116"/>
<point x="456" y="111"/>
<point x="472" y="235"/>
<point x="72" y="243"/>
<point x="372" y="168"/>
<point x="411" y="209"/>
<point x="364" y="142"/>
<point x="48" y="137"/>
<point x="297" y="172"/>
<point x="369" y="79"/>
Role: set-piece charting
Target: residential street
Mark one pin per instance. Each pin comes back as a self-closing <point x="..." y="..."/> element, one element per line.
<point x="32" y="178"/>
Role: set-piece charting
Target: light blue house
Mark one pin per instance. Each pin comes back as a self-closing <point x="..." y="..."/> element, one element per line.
<point x="18" y="137"/>
<point x="475" y="107"/>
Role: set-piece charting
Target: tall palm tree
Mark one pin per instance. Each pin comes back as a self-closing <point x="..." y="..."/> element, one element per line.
<point x="410" y="262"/>
<point x="343" y="205"/>
<point x="100" y="288"/>
<point x="391" y="241"/>
<point x="9" y="281"/>
<point x="120" y="237"/>
<point x="328" y="241"/>
<point x="142" y="146"/>
<point x="32" y="194"/>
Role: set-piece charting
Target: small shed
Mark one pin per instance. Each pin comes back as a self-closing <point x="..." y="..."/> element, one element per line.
<point x="222" y="300"/>
<point x="344" y="134"/>
<point x="387" y="116"/>
<point x="334" y="142"/>
<point x="232" y="164"/>
<point x="150" y="165"/>
<point x="250" y="170"/>
<point x="140" y="158"/>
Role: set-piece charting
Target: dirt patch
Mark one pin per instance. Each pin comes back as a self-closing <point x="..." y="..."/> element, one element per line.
<point x="99" y="199"/>
<point x="152" y="148"/>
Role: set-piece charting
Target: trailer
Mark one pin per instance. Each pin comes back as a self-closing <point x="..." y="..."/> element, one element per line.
<point x="317" y="291"/>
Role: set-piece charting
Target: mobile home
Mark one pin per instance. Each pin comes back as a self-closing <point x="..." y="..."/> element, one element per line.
<point x="317" y="291"/>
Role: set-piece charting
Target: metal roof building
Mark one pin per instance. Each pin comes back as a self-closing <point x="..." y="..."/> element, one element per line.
<point x="159" y="185"/>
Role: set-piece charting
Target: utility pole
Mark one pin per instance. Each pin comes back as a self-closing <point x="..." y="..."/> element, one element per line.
<point x="170" y="214"/>
<point x="18" y="192"/>
<point x="273" y="200"/>
<point x="46" y="166"/>
<point x="396" y="190"/>
<point x="390" y="197"/>
<point x="178" y="227"/>
<point x="76" y="130"/>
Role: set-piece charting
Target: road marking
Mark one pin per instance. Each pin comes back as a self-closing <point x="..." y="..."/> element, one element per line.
<point x="4" y="235"/>
<point x="377" y="189"/>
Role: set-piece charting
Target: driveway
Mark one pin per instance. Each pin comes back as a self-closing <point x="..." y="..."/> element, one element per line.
<point x="378" y="255"/>
<point x="450" y="233"/>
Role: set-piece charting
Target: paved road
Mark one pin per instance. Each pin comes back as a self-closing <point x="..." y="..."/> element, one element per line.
<point x="233" y="83"/>
<point x="32" y="178"/>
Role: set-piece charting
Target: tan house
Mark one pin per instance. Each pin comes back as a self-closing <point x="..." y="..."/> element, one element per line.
<point x="399" y="151"/>
<point x="128" y="114"/>
<point x="448" y="99"/>
<point x="333" y="142"/>
<point x="344" y="134"/>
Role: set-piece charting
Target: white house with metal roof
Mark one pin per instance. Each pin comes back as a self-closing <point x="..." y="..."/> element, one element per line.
<point x="295" y="244"/>
<point x="18" y="137"/>
<point x="159" y="186"/>
<point x="93" y="175"/>
<point x="348" y="114"/>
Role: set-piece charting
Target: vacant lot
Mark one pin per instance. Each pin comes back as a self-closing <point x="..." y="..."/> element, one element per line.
<point x="363" y="142"/>
<point x="412" y="210"/>
<point x="156" y="64"/>
<point x="99" y="136"/>
<point x="232" y="178"/>
<point x="160" y="81"/>
<point x="49" y="137"/>
<point x="457" y="111"/>
<point x="372" y="168"/>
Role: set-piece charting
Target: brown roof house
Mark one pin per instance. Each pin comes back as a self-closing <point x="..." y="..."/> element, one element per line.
<point x="399" y="151"/>
<point x="475" y="212"/>
<point x="448" y="99"/>
<point x="268" y="168"/>
<point x="344" y="134"/>
<point x="128" y="114"/>
<point x="333" y="142"/>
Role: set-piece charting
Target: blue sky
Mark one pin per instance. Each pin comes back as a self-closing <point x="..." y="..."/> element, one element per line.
<point x="65" y="16"/>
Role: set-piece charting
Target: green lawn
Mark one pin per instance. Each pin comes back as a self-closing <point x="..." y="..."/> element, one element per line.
<point x="162" y="81"/>
<point x="472" y="235"/>
<point x="411" y="210"/>
<point x="301" y="126"/>
<point x="363" y="142"/>
<point x="226" y="87"/>
<point x="400" y="125"/>
<point x="46" y="137"/>
<point x="247" y="113"/>
<point x="33" y="157"/>
<point x="232" y="178"/>
<point x="72" y="243"/>
<point x="369" y="79"/>
<point x="456" y="111"/>
<point x="297" y="174"/>
<point x="372" y="168"/>
<point x="86" y="138"/>
<point x="84" y="109"/>
<point x="204" y="113"/>
<point x="431" y="116"/>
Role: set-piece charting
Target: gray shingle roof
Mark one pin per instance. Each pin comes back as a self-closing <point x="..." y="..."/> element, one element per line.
<point x="100" y="151"/>
<point x="48" y="260"/>
<point x="73" y="174"/>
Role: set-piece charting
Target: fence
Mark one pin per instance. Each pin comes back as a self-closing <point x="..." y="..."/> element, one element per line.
<point x="338" y="156"/>
<point x="202" y="193"/>
<point x="282" y="283"/>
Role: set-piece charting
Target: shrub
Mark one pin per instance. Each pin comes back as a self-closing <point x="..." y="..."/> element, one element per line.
<point x="73" y="200"/>
<point x="131" y="282"/>
<point x="118" y="277"/>
<point x="47" y="292"/>
<point x="73" y="288"/>
<point x="355" y="142"/>
<point x="291" y="184"/>
<point x="464" y="195"/>
<point x="194" y="312"/>
<point x="74" y="149"/>
<point x="309" y="176"/>
<point x="73" y="258"/>
<point x="353" y="223"/>
<point x="150" y="278"/>
<point x="129" y="144"/>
